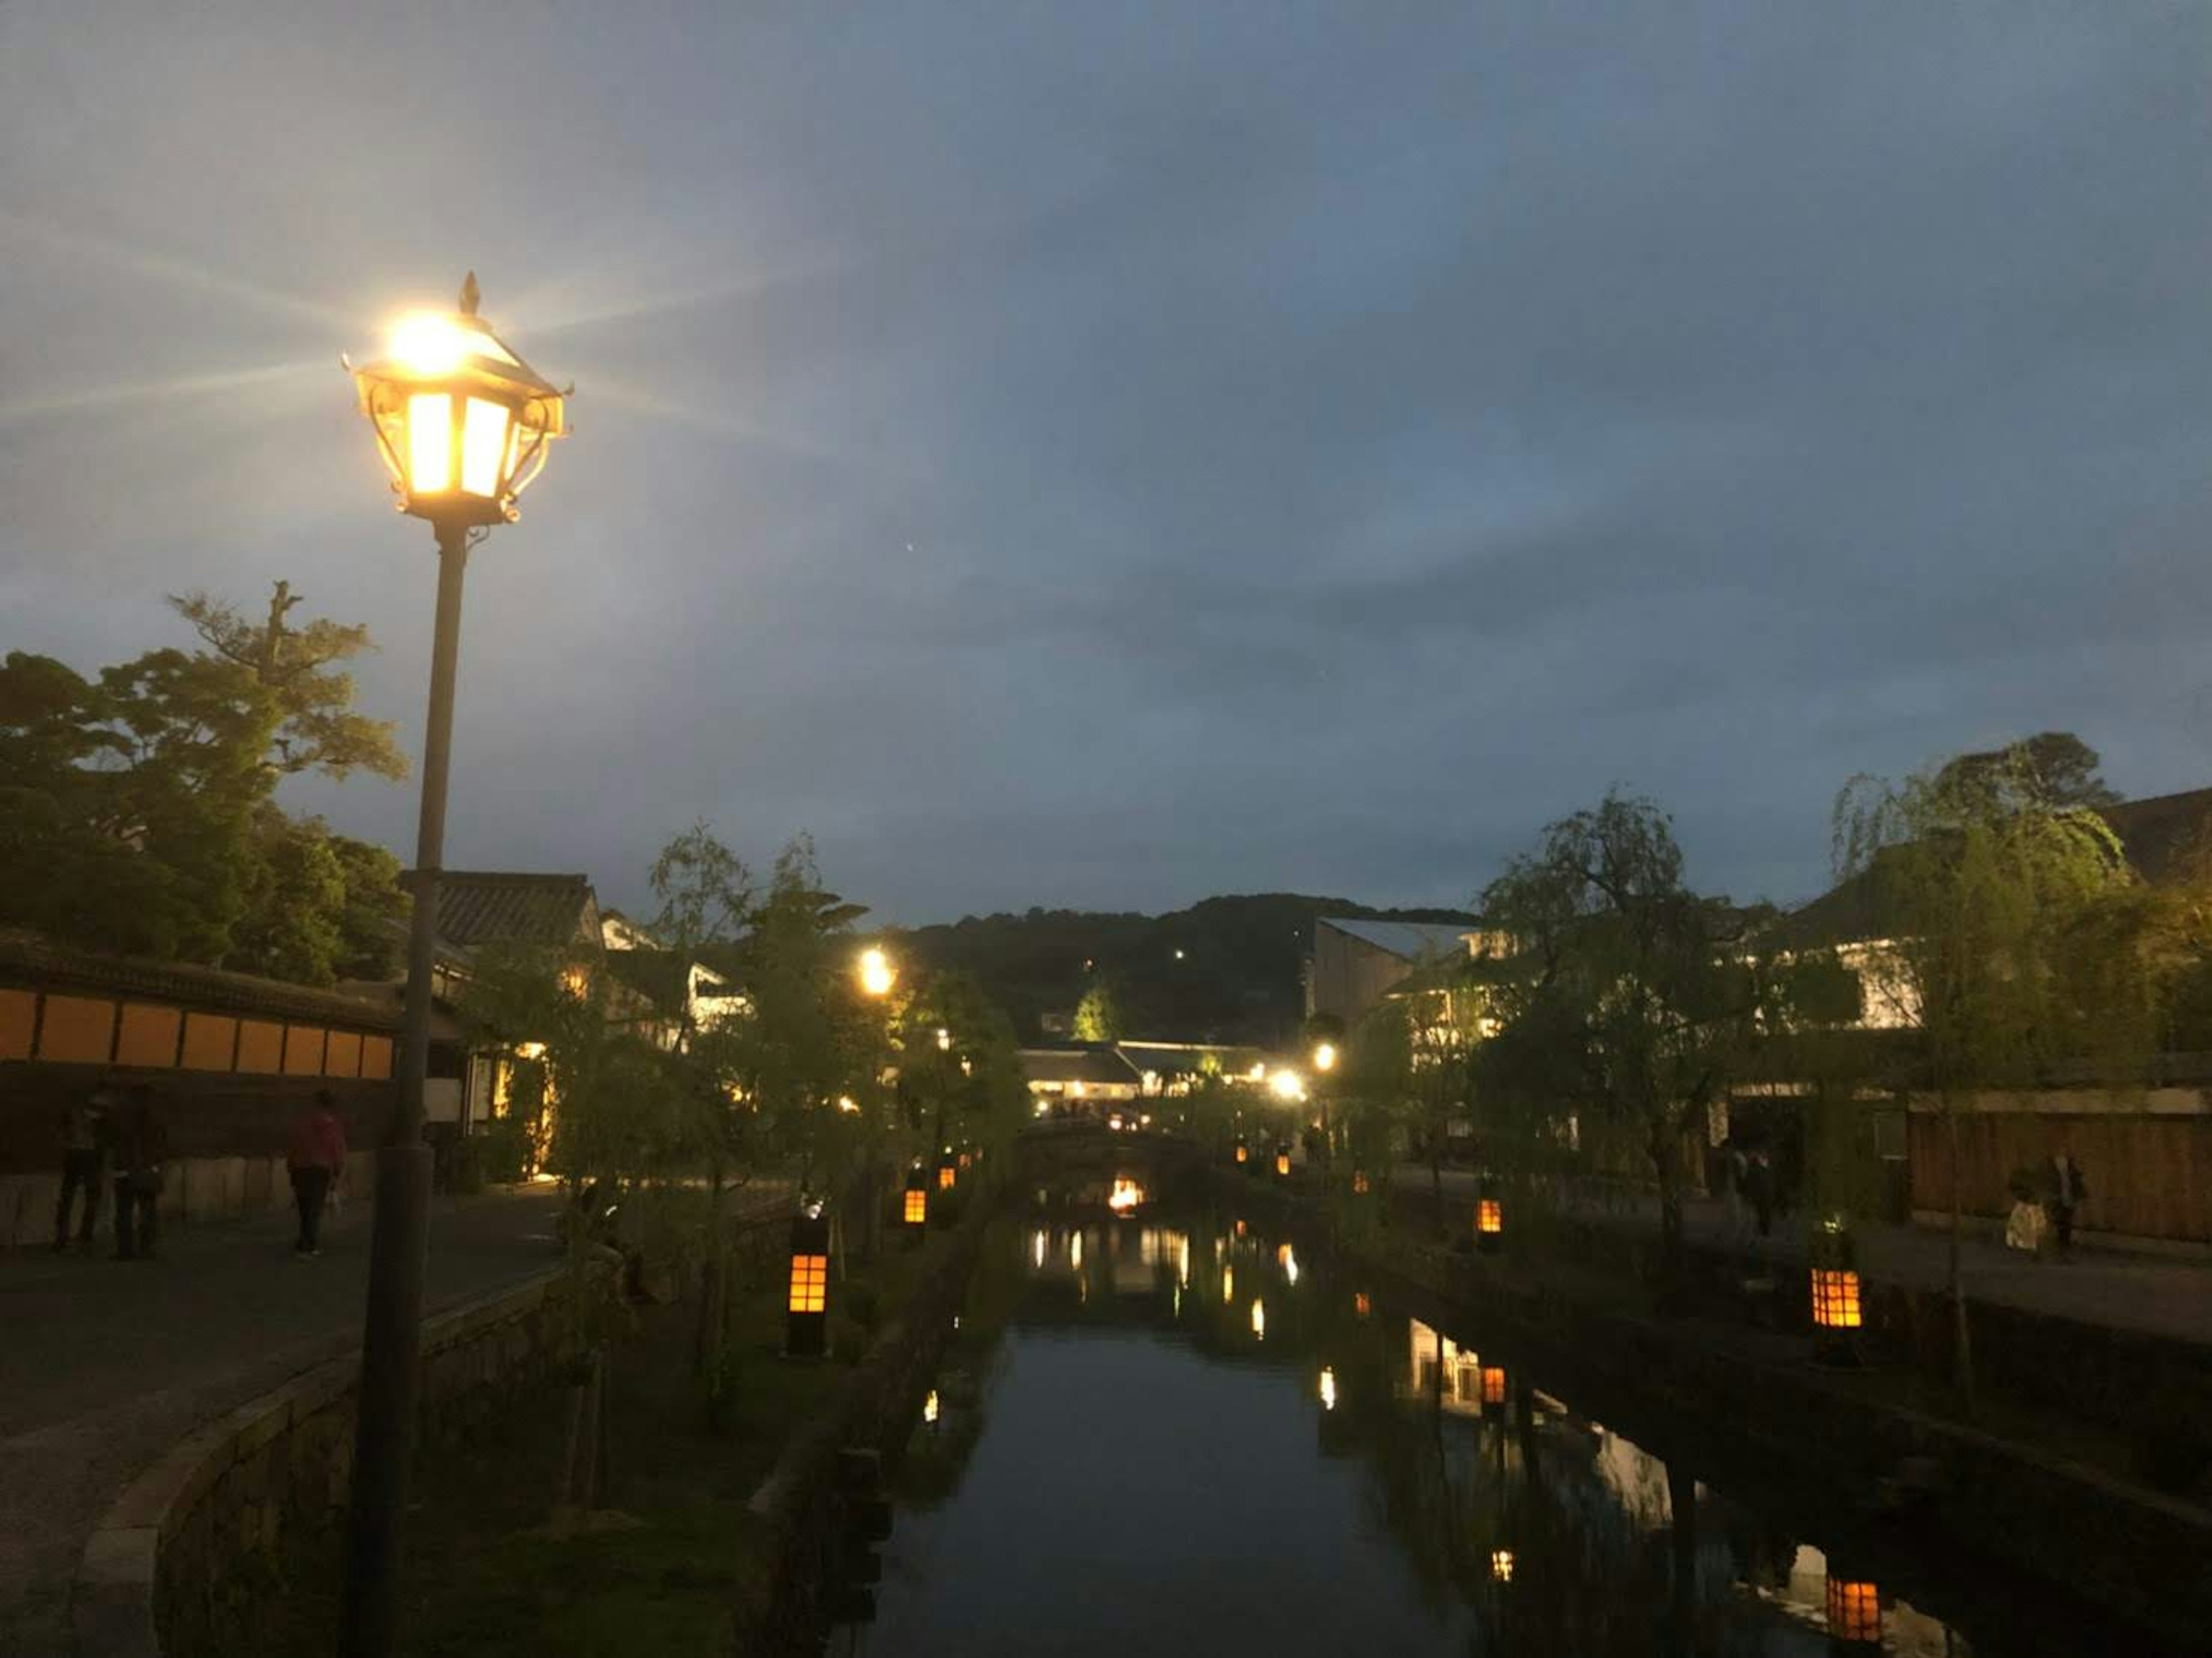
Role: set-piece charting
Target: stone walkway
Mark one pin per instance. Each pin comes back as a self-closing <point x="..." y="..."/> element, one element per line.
<point x="2143" y="1293"/>
<point x="104" y="1364"/>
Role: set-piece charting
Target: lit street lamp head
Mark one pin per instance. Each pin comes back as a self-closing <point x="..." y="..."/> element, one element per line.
<point x="462" y="421"/>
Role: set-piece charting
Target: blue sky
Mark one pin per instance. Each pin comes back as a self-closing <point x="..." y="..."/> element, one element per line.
<point x="1104" y="456"/>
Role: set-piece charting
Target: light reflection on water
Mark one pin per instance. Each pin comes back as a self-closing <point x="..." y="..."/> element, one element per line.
<point x="1309" y="1471"/>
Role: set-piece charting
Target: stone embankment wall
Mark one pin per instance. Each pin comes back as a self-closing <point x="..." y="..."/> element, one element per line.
<point x="183" y="1556"/>
<point x="875" y="1409"/>
<point x="2116" y="1544"/>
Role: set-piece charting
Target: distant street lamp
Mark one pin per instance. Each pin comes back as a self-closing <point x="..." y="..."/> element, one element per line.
<point x="464" y="425"/>
<point x="877" y="975"/>
<point x="1489" y="1222"/>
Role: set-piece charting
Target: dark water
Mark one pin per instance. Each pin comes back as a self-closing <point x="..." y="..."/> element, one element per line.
<point x="1126" y="1458"/>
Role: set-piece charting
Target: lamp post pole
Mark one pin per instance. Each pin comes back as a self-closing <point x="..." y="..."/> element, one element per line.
<point x="392" y="1330"/>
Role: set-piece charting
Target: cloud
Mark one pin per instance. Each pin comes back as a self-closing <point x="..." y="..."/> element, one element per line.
<point x="1330" y="447"/>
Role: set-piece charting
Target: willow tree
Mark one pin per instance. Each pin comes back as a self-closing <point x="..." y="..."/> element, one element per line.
<point x="1626" y="1000"/>
<point x="2003" y="942"/>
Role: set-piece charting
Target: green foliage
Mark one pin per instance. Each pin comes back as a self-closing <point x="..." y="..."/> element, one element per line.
<point x="318" y="729"/>
<point x="2014" y="940"/>
<point x="1099" y="1015"/>
<point x="1630" y="999"/>
<point x="143" y="797"/>
<point x="2052" y="769"/>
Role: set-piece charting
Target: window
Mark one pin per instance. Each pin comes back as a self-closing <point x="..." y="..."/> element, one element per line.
<point x="76" y="1030"/>
<point x="376" y="1058"/>
<point x="148" y="1036"/>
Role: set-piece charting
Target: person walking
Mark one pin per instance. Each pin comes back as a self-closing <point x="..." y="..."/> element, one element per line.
<point x="141" y="1146"/>
<point x="316" y="1159"/>
<point x="2068" y="1189"/>
<point x="86" y="1129"/>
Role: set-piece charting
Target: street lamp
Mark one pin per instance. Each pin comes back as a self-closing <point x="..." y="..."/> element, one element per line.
<point x="464" y="425"/>
<point x="877" y="975"/>
<point x="1489" y="1221"/>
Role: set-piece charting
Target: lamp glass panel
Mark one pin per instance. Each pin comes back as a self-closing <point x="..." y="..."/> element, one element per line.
<point x="484" y="446"/>
<point x="810" y="1282"/>
<point x="917" y="1207"/>
<point x="429" y="442"/>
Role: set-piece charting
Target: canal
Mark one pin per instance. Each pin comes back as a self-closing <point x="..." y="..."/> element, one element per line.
<point x="1169" y="1430"/>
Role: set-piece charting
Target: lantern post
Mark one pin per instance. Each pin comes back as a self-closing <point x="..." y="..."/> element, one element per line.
<point x="807" y="1333"/>
<point x="1489" y="1220"/>
<point x="464" y="425"/>
<point x="1838" y="1314"/>
<point x="914" y="1208"/>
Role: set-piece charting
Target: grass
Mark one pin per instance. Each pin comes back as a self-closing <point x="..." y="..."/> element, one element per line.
<point x="665" y="1568"/>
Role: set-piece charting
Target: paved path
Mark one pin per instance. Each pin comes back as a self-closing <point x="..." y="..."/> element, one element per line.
<point x="2130" y="1292"/>
<point x="104" y="1364"/>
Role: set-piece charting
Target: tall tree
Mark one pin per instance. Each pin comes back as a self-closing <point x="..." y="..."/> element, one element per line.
<point x="1630" y="997"/>
<point x="2055" y="769"/>
<point x="318" y="729"/>
<point x="1988" y="894"/>
<point x="1099" y="1015"/>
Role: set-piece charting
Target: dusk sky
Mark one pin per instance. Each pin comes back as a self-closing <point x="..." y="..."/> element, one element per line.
<point x="1102" y="456"/>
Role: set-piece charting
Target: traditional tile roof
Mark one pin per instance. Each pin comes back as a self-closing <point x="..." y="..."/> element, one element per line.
<point x="1410" y="941"/>
<point x="481" y="907"/>
<point x="31" y="959"/>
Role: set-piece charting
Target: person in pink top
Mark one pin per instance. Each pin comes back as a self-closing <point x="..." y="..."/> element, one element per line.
<point x="316" y="1159"/>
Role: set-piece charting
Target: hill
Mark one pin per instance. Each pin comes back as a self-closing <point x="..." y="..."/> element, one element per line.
<point x="1226" y="969"/>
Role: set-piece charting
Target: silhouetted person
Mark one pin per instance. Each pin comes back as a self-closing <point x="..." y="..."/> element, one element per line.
<point x="316" y="1159"/>
<point x="2068" y="1189"/>
<point x="87" y="1126"/>
<point x="1759" y="1183"/>
<point x="141" y="1146"/>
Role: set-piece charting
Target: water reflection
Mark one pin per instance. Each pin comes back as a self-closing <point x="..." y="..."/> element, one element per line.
<point x="1308" y="1470"/>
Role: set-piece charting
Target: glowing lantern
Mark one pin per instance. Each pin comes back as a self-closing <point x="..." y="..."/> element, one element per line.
<point x="915" y="1213"/>
<point x="1493" y="1384"/>
<point x="1359" y="1182"/>
<point x="1228" y="1284"/>
<point x="947" y="1175"/>
<point x="1328" y="1388"/>
<point x="1259" y="1321"/>
<point x="1489" y="1224"/>
<point x="929" y="1408"/>
<point x="1501" y="1564"/>
<point x="1283" y="1161"/>
<point x="1853" y="1611"/>
<point x="1362" y="1305"/>
<point x="806" y="1334"/>
<point x="1126" y="1196"/>
<point x="463" y="423"/>
<point x="1838" y="1314"/>
<point x="1243" y="1153"/>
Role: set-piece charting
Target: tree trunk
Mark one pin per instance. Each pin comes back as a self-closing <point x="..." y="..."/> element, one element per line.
<point x="1670" y="1209"/>
<point x="1682" y="1500"/>
<point x="1962" y="1346"/>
